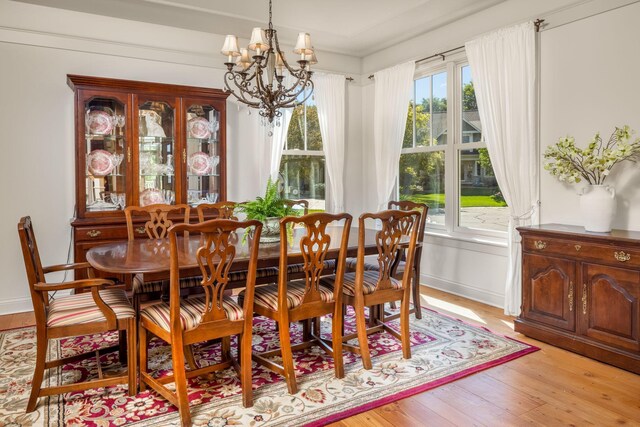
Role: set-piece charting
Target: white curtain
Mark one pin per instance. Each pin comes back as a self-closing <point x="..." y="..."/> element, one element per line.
<point x="272" y="139"/>
<point x="330" y="100"/>
<point x="503" y="65"/>
<point x="393" y="87"/>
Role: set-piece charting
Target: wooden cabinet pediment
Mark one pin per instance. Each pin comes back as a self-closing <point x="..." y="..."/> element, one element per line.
<point x="581" y="291"/>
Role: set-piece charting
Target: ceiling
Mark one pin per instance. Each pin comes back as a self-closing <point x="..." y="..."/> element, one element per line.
<point x="353" y="27"/>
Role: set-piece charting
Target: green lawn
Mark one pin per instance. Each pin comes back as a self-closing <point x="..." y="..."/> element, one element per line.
<point x="437" y="200"/>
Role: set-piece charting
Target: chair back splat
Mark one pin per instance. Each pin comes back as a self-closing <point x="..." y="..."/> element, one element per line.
<point x="314" y="246"/>
<point x="159" y="219"/>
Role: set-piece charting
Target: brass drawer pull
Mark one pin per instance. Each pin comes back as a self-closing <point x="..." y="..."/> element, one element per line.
<point x="584" y="298"/>
<point x="622" y="256"/>
<point x="578" y="247"/>
<point x="140" y="230"/>
<point x="94" y="233"/>
<point x="570" y="296"/>
<point x="540" y="245"/>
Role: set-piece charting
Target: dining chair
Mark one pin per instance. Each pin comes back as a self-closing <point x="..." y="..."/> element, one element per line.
<point x="158" y="219"/>
<point x="226" y="210"/>
<point x="367" y="288"/>
<point x="182" y="322"/>
<point x="221" y="210"/>
<point x="100" y="310"/>
<point x="297" y="204"/>
<point x="305" y="299"/>
<point x="398" y="272"/>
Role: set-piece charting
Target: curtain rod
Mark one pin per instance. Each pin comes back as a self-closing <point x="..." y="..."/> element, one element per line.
<point x="537" y="23"/>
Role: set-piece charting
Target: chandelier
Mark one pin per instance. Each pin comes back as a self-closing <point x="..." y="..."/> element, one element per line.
<point x="259" y="80"/>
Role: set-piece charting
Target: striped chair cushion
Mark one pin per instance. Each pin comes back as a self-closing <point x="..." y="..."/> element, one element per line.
<point x="81" y="308"/>
<point x="191" y="310"/>
<point x="142" y="287"/>
<point x="368" y="266"/>
<point x="267" y="296"/>
<point x="349" y="282"/>
<point x="329" y="265"/>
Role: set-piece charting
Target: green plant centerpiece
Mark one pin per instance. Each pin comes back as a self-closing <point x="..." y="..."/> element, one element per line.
<point x="268" y="210"/>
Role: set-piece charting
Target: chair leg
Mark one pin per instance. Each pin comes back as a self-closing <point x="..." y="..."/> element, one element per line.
<point x="287" y="357"/>
<point x="361" y="329"/>
<point x="225" y="347"/>
<point x="132" y="356"/>
<point x="38" y="373"/>
<point x="336" y="337"/>
<point x="144" y="363"/>
<point x="404" y="326"/>
<point x="416" y="291"/>
<point x="123" y="339"/>
<point x="306" y="330"/>
<point x="316" y="326"/>
<point x="245" y="368"/>
<point x="188" y="355"/>
<point x="180" y="377"/>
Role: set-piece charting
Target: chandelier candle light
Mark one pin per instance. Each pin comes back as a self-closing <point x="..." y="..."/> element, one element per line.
<point x="259" y="79"/>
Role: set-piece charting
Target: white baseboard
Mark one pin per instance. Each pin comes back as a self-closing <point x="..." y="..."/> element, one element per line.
<point x="460" y="289"/>
<point x="16" y="305"/>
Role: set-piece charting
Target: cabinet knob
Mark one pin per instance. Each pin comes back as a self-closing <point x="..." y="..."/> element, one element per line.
<point x="140" y="230"/>
<point x="540" y="244"/>
<point x="578" y="247"/>
<point x="94" y="233"/>
<point x="622" y="256"/>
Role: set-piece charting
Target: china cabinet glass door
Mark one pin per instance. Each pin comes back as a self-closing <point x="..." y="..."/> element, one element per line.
<point x="203" y="153"/>
<point x="156" y="152"/>
<point x="106" y="148"/>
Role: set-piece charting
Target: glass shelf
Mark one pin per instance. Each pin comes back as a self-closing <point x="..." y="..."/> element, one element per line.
<point x="114" y="175"/>
<point x="93" y="137"/>
<point x="155" y="140"/>
<point x="155" y="175"/>
<point x="203" y="175"/>
<point x="202" y="140"/>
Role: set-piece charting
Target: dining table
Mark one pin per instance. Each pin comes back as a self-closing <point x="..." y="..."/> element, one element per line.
<point x="152" y="256"/>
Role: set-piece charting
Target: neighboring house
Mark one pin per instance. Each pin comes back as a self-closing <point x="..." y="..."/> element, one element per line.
<point x="473" y="173"/>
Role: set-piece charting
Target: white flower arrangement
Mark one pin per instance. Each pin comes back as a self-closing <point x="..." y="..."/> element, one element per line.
<point x="571" y="164"/>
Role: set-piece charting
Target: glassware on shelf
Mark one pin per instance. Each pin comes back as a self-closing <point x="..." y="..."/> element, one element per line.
<point x="169" y="196"/>
<point x="118" y="199"/>
<point x="117" y="161"/>
<point x="152" y="124"/>
<point x="212" y="197"/>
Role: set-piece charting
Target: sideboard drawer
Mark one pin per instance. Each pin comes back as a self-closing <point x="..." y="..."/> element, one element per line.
<point x="101" y="232"/>
<point x="610" y="254"/>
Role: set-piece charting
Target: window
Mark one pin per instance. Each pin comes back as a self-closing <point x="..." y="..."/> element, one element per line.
<point x="303" y="166"/>
<point x="444" y="161"/>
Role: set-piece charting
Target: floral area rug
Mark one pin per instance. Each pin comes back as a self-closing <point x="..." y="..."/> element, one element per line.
<point x="443" y="349"/>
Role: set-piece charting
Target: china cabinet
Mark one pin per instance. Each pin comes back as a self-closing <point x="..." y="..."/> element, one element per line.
<point x="581" y="291"/>
<point x="140" y="143"/>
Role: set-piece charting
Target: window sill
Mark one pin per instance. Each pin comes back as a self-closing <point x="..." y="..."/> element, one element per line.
<point x="473" y="242"/>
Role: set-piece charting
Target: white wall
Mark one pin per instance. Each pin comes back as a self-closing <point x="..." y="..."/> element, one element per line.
<point x="39" y="46"/>
<point x="589" y="83"/>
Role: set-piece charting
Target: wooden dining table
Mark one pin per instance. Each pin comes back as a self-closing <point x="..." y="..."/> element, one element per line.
<point x="151" y="256"/>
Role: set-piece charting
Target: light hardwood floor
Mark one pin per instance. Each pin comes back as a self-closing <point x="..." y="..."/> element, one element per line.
<point x="551" y="387"/>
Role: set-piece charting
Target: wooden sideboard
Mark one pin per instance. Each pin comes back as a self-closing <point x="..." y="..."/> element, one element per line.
<point x="580" y="291"/>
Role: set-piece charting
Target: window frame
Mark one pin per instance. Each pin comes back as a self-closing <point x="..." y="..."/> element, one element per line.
<point x="452" y="151"/>
<point x="306" y="152"/>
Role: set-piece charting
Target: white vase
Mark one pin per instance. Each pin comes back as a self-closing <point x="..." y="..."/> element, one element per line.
<point x="597" y="207"/>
